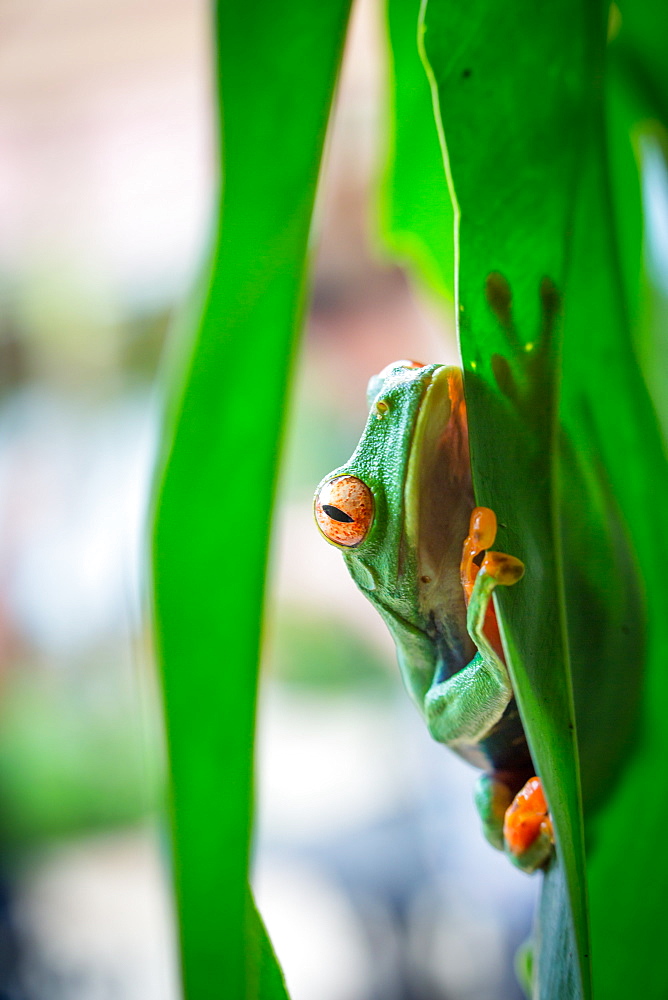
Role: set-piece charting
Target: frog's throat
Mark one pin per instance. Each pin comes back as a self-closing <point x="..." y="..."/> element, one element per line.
<point x="438" y="493"/>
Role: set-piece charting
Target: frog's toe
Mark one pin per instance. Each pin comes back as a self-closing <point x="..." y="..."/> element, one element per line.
<point x="536" y="855"/>
<point x="493" y="798"/>
<point x="527" y="828"/>
<point x="505" y="569"/>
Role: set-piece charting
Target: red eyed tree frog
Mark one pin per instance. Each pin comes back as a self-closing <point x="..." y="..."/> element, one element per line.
<point x="403" y="515"/>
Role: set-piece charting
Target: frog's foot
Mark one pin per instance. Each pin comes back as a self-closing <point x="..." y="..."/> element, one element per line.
<point x="481" y="572"/>
<point x="527" y="828"/>
<point x="519" y="825"/>
<point x="482" y="532"/>
<point x="493" y="797"/>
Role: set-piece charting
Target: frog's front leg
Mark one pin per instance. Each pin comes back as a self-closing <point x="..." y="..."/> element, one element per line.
<point x="465" y="707"/>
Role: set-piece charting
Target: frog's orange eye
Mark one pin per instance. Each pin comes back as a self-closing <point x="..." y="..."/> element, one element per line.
<point x="344" y="510"/>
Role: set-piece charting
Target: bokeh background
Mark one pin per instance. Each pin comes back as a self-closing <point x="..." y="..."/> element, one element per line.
<point x="370" y="868"/>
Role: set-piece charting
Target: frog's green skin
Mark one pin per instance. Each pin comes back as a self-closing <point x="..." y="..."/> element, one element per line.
<point x="414" y="458"/>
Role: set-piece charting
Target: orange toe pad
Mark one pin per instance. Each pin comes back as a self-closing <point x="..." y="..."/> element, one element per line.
<point x="526" y="817"/>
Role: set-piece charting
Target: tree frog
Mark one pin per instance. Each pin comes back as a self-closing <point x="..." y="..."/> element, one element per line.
<point x="402" y="512"/>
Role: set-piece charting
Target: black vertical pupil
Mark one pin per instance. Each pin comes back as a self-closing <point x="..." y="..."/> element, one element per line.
<point x="336" y="514"/>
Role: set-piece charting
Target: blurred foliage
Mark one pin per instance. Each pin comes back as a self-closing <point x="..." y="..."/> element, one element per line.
<point x="320" y="434"/>
<point x="73" y="760"/>
<point x="326" y="655"/>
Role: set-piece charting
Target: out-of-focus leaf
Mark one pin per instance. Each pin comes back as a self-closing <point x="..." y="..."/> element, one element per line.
<point x="606" y="408"/>
<point x="622" y="117"/>
<point x="416" y="208"/>
<point x="277" y="67"/>
<point x="637" y="92"/>
<point x="641" y="30"/>
<point x="70" y="763"/>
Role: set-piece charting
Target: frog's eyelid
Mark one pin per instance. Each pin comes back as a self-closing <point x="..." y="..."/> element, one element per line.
<point x="337" y="514"/>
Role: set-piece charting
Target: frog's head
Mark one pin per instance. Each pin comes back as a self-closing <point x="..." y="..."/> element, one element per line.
<point x="398" y="509"/>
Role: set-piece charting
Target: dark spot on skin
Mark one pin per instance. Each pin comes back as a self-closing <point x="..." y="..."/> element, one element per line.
<point x="336" y="514"/>
<point x="466" y="73"/>
<point x="499" y="297"/>
<point x="479" y="558"/>
<point x="426" y="579"/>
<point x="507" y="567"/>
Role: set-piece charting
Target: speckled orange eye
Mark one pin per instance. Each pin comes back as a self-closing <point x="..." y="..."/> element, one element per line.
<point x="344" y="510"/>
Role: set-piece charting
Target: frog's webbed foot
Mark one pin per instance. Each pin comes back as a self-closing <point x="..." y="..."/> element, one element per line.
<point x="519" y="825"/>
<point x="527" y="828"/>
<point x="493" y="797"/>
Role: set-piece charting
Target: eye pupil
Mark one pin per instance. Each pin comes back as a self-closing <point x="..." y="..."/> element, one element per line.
<point x="336" y="514"/>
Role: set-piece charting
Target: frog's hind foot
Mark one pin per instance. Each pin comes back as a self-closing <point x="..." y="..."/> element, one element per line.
<point x="527" y="828"/>
<point x="493" y="797"/>
<point x="520" y="824"/>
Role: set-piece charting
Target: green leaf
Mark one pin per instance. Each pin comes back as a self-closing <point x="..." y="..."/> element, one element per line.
<point x="638" y="111"/>
<point x="416" y="213"/>
<point x="640" y="53"/>
<point x="606" y="404"/>
<point x="547" y="188"/>
<point x="514" y="87"/>
<point x="277" y="67"/>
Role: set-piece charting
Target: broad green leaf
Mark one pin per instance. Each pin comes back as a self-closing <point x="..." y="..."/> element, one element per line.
<point x="416" y="209"/>
<point x="513" y="87"/>
<point x="606" y="407"/>
<point x="276" y="71"/>
<point x="605" y="397"/>
<point x="544" y="192"/>
<point x="638" y="86"/>
<point x="623" y="113"/>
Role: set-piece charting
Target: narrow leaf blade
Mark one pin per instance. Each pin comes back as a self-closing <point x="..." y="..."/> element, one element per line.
<point x="276" y="72"/>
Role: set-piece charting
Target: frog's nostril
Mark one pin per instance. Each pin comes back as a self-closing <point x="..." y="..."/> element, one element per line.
<point x="344" y="510"/>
